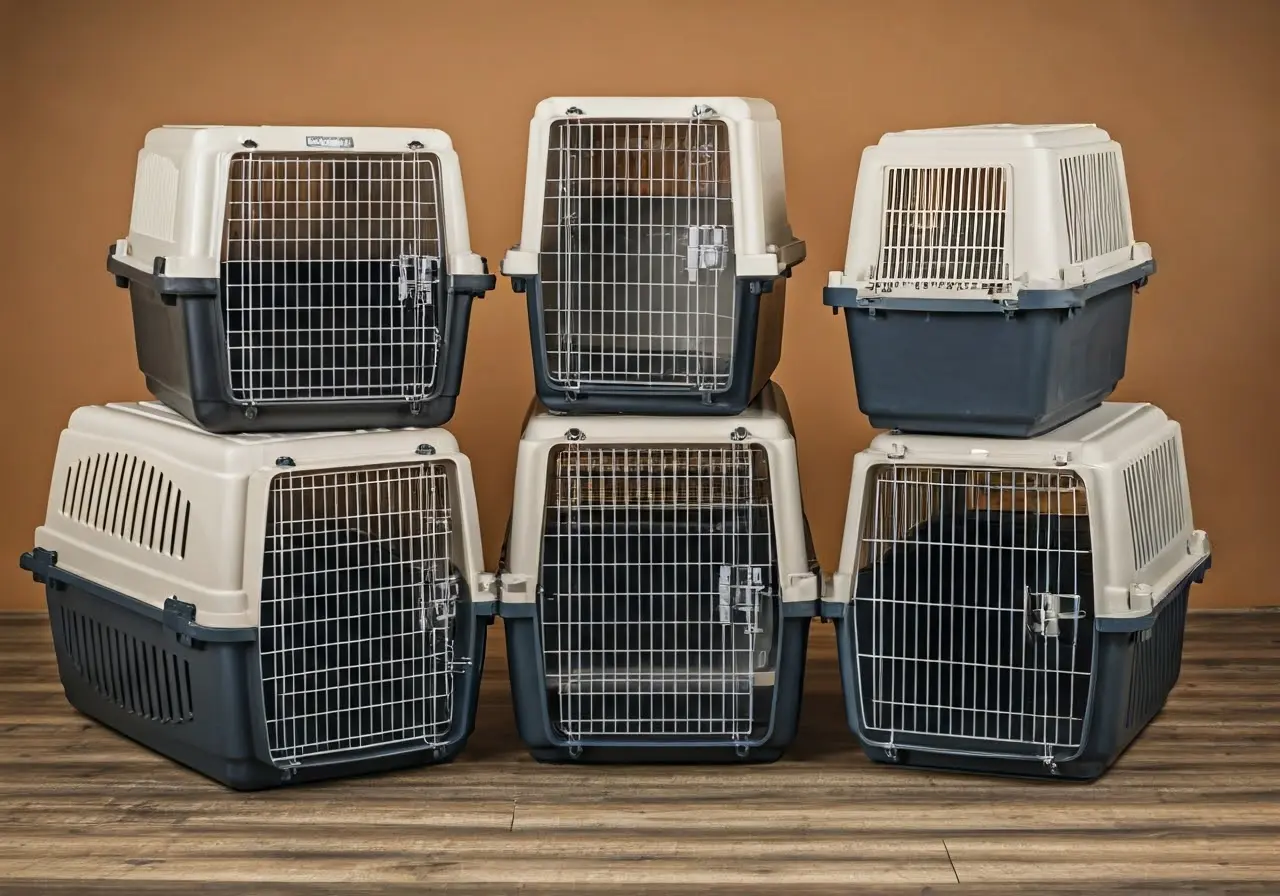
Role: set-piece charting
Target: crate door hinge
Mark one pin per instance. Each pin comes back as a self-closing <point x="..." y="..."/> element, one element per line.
<point x="1045" y="611"/>
<point x="741" y="589"/>
<point x="416" y="279"/>
<point x="708" y="249"/>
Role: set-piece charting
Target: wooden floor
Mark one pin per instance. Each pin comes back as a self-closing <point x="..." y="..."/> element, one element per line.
<point x="1193" y="807"/>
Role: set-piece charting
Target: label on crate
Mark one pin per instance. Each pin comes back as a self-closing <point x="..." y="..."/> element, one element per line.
<point x="331" y="142"/>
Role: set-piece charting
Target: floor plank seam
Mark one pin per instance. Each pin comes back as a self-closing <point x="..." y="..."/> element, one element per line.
<point x="951" y="861"/>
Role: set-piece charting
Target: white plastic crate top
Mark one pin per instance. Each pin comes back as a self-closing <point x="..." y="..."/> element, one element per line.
<point x="764" y="245"/>
<point x="761" y="424"/>
<point x="151" y="506"/>
<point x="1130" y="460"/>
<point x="990" y="210"/>
<point x="180" y="190"/>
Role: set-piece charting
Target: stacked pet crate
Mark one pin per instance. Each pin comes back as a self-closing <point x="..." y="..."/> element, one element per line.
<point x="1017" y="553"/>
<point x="274" y="575"/>
<point x="657" y="581"/>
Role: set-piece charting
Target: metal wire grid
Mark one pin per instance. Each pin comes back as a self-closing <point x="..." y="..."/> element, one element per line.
<point x="658" y="586"/>
<point x="1094" y="198"/>
<point x="973" y="603"/>
<point x="359" y="600"/>
<point x="637" y="264"/>
<point x="331" y="276"/>
<point x="945" y="228"/>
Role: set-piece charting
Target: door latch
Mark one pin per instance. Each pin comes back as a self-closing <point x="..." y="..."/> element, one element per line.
<point x="708" y="249"/>
<point x="741" y="588"/>
<point x="416" y="279"/>
<point x="1045" y="611"/>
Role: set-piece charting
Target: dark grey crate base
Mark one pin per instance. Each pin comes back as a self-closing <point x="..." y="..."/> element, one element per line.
<point x="1133" y="675"/>
<point x="530" y="700"/>
<point x="181" y="344"/>
<point x="985" y="373"/>
<point x="193" y="702"/>
<point x="219" y="416"/>
<point x="758" y="337"/>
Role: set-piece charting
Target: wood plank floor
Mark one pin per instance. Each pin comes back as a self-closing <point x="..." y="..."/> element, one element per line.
<point x="1193" y="807"/>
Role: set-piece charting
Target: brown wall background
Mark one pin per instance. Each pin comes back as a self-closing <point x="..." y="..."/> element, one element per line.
<point x="1189" y="88"/>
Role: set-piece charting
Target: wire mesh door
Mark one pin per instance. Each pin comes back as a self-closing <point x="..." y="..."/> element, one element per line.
<point x="972" y="610"/>
<point x="331" y="276"/>
<point x="637" y="255"/>
<point x="945" y="228"/>
<point x="359" y="602"/>
<point x="658" y="592"/>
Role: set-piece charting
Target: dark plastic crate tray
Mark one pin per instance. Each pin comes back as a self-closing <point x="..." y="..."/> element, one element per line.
<point x="970" y="367"/>
<point x="757" y="347"/>
<point x="194" y="694"/>
<point x="319" y="369"/>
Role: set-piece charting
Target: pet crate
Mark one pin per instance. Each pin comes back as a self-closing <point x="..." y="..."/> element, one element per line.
<point x="654" y="253"/>
<point x="657" y="586"/>
<point x="1016" y="607"/>
<point x="989" y="278"/>
<point x="266" y="609"/>
<point x="288" y="278"/>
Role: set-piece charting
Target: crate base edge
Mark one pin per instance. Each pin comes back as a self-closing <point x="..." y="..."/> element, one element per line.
<point x="529" y="701"/>
<point x="1120" y="712"/>
<point x="228" y="418"/>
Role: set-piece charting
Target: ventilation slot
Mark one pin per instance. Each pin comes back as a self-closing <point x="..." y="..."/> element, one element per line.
<point x="1156" y="662"/>
<point x="944" y="228"/>
<point x="130" y="499"/>
<point x="1093" y="197"/>
<point x="140" y="678"/>
<point x="155" y="197"/>
<point x="1157" y="504"/>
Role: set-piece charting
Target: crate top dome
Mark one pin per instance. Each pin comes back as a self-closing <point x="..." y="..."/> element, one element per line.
<point x="1027" y="215"/>
<point x="312" y="188"/>
<point x="649" y="147"/>
<point x="148" y="504"/>
<point x="1122" y="465"/>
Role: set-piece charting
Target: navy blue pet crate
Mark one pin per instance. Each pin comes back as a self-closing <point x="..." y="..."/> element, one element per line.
<point x="287" y="279"/>
<point x="654" y="253"/>
<point x="349" y="637"/>
<point x="989" y="279"/>
<point x="657" y="588"/>
<point x="1023" y="615"/>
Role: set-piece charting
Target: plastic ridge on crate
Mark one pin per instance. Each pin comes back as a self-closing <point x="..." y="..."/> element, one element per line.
<point x="989" y="278"/>
<point x="1016" y="606"/>
<point x="654" y="253"/>
<point x="657" y="584"/>
<point x="300" y="278"/>
<point x="266" y="609"/>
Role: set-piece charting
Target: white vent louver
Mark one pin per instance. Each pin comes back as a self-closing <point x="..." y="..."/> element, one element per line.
<point x="1156" y="500"/>
<point x="120" y="495"/>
